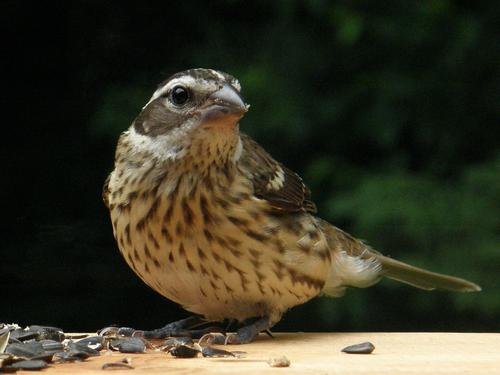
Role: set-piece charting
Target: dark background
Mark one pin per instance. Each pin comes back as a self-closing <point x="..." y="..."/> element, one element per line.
<point x="389" y="110"/>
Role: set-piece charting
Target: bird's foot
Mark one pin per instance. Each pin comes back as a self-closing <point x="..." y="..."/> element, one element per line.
<point x="181" y="328"/>
<point x="244" y="335"/>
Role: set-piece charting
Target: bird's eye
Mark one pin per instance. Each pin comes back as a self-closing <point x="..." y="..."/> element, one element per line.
<point x="179" y="95"/>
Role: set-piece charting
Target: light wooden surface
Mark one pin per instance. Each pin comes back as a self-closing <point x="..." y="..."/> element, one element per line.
<point x="320" y="353"/>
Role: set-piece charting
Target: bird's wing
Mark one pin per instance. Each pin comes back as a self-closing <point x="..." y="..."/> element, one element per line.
<point x="282" y="188"/>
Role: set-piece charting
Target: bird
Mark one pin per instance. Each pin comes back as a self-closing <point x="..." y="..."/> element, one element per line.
<point x="210" y="220"/>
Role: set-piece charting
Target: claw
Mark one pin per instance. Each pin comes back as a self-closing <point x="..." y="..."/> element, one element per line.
<point x="248" y="333"/>
<point x="213" y="338"/>
<point x="181" y="328"/>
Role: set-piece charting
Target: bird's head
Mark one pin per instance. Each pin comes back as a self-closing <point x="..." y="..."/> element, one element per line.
<point x="194" y="112"/>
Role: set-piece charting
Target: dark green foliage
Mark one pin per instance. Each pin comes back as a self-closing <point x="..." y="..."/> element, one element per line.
<point x="390" y="110"/>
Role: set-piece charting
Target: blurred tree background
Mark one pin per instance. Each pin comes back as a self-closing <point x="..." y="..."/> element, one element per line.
<point x="389" y="110"/>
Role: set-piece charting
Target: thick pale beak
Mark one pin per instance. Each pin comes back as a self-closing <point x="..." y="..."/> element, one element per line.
<point x="225" y="102"/>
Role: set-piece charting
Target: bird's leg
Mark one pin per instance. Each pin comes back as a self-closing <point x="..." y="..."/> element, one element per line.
<point x="230" y="323"/>
<point x="181" y="328"/>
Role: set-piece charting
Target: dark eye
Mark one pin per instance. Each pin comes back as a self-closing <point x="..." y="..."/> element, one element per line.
<point x="179" y="95"/>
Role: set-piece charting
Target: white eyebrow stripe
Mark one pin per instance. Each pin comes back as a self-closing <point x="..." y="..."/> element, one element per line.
<point x="184" y="80"/>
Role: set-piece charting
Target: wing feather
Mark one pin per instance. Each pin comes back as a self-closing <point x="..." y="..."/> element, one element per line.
<point x="282" y="188"/>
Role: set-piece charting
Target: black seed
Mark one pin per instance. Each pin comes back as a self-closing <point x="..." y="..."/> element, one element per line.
<point x="183" y="351"/>
<point x="363" y="348"/>
<point x="213" y="352"/>
<point x="93" y="342"/>
<point x="51" y="345"/>
<point x="39" y="333"/>
<point x="128" y="345"/>
<point x="82" y="347"/>
<point x="25" y="350"/>
<point x="23" y="335"/>
<point x="35" y="364"/>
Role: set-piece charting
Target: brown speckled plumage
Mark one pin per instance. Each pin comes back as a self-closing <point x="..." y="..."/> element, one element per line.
<point x="206" y="217"/>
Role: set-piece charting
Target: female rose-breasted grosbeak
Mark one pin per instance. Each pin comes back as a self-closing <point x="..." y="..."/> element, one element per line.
<point x="207" y="218"/>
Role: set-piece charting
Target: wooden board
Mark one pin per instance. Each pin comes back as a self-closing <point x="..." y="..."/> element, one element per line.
<point x="320" y="353"/>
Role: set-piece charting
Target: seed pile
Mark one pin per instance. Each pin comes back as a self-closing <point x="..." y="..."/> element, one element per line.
<point x="36" y="347"/>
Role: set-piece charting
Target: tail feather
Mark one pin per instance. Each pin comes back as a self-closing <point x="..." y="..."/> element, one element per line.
<point x="423" y="279"/>
<point x="356" y="264"/>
